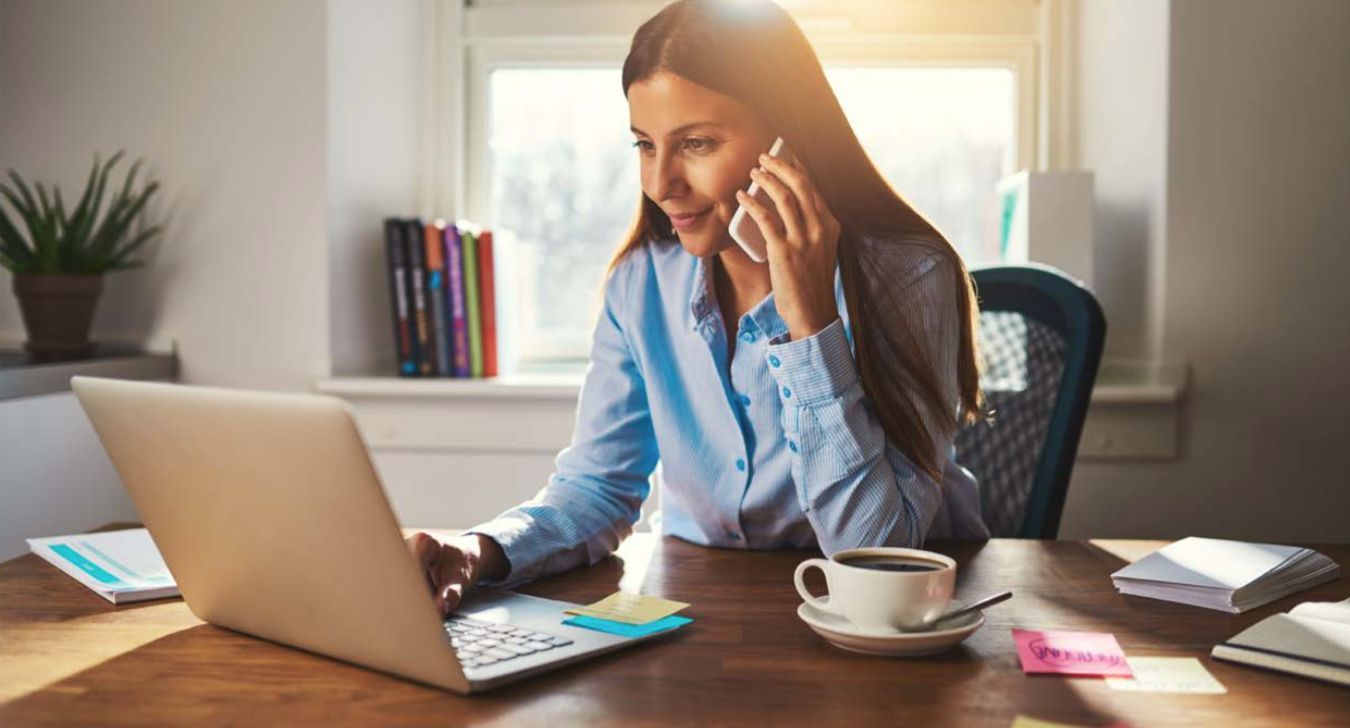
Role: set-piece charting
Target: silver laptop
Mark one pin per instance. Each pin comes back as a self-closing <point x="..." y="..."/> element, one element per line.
<point x="272" y="519"/>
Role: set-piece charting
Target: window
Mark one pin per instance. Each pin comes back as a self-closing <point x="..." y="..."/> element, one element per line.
<point x="564" y="186"/>
<point x="550" y="168"/>
<point x="943" y="138"/>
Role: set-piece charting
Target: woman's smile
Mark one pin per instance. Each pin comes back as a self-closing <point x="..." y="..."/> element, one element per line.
<point x="689" y="220"/>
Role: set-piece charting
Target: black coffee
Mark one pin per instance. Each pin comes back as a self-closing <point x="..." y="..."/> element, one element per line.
<point x="891" y="563"/>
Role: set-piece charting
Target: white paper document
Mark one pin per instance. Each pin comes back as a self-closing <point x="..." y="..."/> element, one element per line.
<point x="1231" y="576"/>
<point x="1167" y="675"/>
<point x="120" y="566"/>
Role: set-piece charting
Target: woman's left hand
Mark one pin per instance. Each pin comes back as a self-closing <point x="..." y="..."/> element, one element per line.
<point x="803" y="247"/>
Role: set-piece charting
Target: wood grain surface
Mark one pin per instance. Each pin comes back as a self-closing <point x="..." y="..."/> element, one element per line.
<point x="69" y="657"/>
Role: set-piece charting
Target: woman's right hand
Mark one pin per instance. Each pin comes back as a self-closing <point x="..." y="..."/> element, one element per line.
<point x="453" y="566"/>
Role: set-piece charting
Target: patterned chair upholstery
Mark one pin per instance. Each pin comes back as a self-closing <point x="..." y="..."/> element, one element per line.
<point x="1041" y="337"/>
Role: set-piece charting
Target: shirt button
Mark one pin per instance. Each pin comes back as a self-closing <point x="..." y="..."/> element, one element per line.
<point x="740" y="464"/>
<point x="787" y="392"/>
<point x="792" y="445"/>
<point x="747" y="336"/>
<point x="744" y="400"/>
<point x="774" y="361"/>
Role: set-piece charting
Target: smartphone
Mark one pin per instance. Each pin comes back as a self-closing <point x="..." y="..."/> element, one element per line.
<point x="743" y="228"/>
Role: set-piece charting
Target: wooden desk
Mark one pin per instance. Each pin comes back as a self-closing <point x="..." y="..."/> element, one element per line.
<point x="67" y="656"/>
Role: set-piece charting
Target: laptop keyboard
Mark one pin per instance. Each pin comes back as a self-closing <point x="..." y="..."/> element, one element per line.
<point x="479" y="644"/>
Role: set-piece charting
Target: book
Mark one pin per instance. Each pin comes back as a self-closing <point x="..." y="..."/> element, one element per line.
<point x="1230" y="576"/>
<point x="412" y="235"/>
<point x="488" y="302"/>
<point x="404" y="354"/>
<point x="472" y="303"/>
<point x="437" y="323"/>
<point x="1310" y="640"/>
<point x="459" y="332"/>
<point x="120" y="566"/>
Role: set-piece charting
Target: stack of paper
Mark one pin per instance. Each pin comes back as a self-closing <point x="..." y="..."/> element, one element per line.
<point x="1230" y="576"/>
<point x="120" y="566"/>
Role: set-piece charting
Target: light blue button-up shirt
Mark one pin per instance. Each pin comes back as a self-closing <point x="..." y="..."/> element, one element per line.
<point x="772" y="447"/>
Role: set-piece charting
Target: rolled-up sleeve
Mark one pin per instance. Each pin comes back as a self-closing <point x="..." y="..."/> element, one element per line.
<point x="596" y="492"/>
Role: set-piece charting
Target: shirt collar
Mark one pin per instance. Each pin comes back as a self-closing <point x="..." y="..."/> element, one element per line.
<point x="701" y="295"/>
<point x="703" y="303"/>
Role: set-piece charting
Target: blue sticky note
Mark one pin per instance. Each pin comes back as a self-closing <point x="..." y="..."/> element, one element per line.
<point x="628" y="630"/>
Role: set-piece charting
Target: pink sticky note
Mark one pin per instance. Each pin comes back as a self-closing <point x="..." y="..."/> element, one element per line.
<point x="1071" y="653"/>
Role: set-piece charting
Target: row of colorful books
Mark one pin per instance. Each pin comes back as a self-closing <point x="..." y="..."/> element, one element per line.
<point x="443" y="298"/>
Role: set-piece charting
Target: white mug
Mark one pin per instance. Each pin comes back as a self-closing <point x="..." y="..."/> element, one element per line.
<point x="882" y="601"/>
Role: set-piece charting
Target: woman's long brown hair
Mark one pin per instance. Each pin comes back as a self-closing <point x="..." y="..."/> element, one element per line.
<point x="754" y="52"/>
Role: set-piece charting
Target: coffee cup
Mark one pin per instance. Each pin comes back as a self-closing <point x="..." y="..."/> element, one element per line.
<point x="883" y="589"/>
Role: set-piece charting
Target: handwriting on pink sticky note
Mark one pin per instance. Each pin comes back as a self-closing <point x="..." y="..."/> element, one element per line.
<point x="1071" y="653"/>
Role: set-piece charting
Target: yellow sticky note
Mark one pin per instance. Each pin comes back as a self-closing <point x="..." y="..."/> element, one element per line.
<point x="1023" y="721"/>
<point x="1168" y="675"/>
<point x="630" y="608"/>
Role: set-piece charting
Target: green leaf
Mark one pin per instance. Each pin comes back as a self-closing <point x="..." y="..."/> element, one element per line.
<point x="15" y="253"/>
<point x="77" y="227"/>
<point x="23" y="189"/>
<point x="120" y="262"/>
<point x="121" y="221"/>
<point x="85" y="238"/>
<point x="30" y="220"/>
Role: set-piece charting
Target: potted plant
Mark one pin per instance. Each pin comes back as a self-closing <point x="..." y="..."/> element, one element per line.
<point x="58" y="258"/>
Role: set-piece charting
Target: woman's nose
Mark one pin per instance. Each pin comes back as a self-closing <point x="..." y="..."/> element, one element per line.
<point x="664" y="178"/>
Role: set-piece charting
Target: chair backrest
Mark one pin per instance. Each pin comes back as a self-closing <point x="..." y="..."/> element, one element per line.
<point x="1041" y="337"/>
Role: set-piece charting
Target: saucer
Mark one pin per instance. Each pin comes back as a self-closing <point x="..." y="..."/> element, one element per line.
<point x="841" y="633"/>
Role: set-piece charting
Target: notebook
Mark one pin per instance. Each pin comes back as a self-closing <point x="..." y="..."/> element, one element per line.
<point x="1230" y="576"/>
<point x="120" y="566"/>
<point x="1312" y="640"/>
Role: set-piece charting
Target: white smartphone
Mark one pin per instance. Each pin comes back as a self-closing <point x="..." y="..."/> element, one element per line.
<point x="743" y="228"/>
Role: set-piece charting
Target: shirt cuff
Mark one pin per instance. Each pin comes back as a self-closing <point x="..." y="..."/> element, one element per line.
<point x="509" y="533"/>
<point x="816" y="369"/>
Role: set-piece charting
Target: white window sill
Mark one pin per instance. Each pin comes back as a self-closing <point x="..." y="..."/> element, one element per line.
<point x="1134" y="413"/>
<point x="1118" y="382"/>
<point x="510" y="387"/>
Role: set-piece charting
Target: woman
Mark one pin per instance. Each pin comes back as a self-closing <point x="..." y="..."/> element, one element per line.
<point x="809" y="401"/>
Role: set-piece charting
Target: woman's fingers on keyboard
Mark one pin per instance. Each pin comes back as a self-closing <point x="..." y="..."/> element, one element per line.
<point x="423" y="548"/>
<point x="425" y="551"/>
<point x="451" y="577"/>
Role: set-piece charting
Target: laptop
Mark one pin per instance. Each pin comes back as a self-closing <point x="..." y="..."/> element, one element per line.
<point x="269" y="513"/>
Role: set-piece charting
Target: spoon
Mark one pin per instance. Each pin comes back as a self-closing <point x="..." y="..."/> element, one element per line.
<point x="972" y="607"/>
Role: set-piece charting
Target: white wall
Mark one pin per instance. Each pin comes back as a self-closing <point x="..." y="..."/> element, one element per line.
<point x="375" y="91"/>
<point x="226" y="101"/>
<point x="1122" y="134"/>
<point x="54" y="476"/>
<point x="1253" y="226"/>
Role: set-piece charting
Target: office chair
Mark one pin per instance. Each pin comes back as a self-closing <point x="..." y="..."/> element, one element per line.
<point x="1041" y="337"/>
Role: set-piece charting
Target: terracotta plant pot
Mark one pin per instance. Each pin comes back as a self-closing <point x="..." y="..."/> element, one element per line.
<point x="58" y="309"/>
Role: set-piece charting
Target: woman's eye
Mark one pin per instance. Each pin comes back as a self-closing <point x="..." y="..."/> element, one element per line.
<point x="697" y="145"/>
